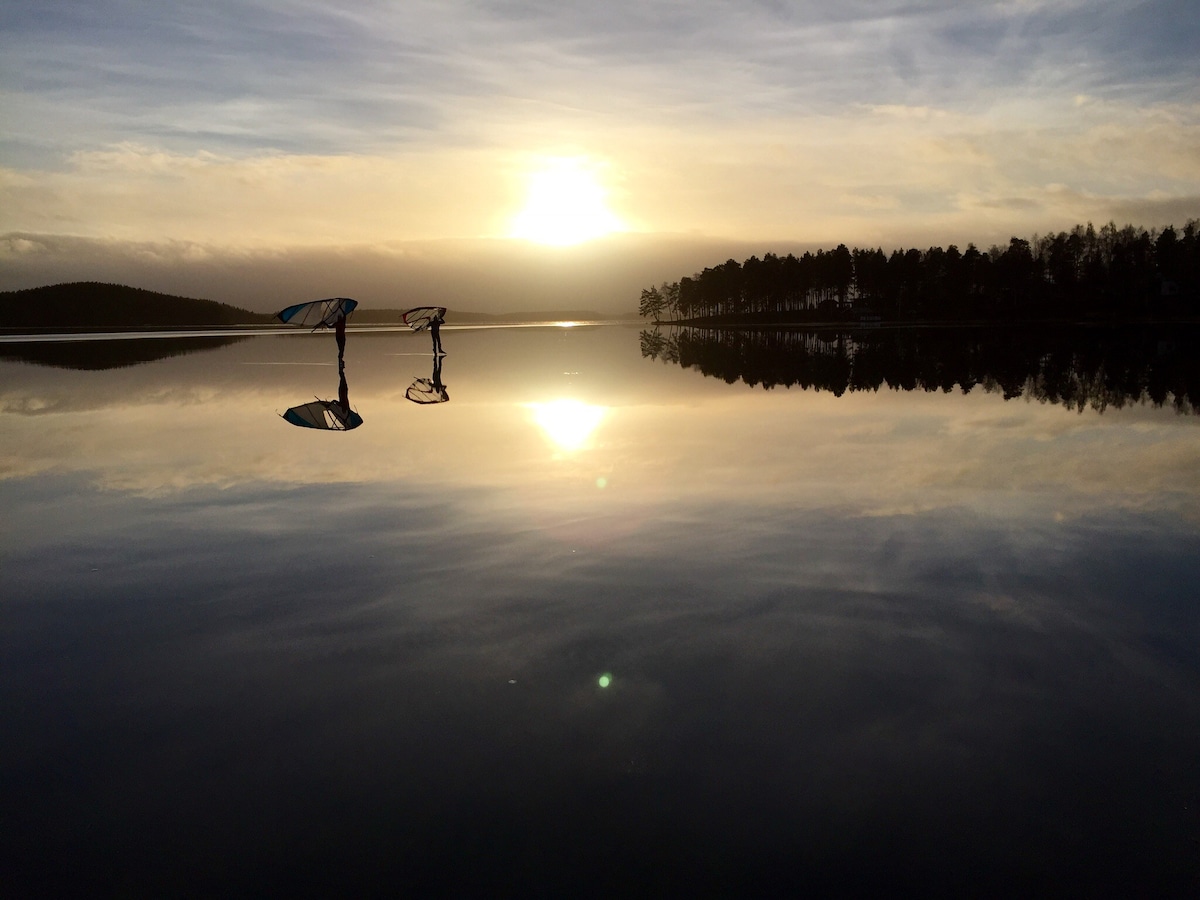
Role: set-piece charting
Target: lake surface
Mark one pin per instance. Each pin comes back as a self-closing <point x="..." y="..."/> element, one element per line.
<point x="597" y="624"/>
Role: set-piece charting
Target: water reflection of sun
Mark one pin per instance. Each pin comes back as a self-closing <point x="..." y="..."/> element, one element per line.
<point x="568" y="424"/>
<point x="565" y="204"/>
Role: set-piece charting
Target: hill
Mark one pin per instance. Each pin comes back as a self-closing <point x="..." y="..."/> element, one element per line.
<point x="91" y="304"/>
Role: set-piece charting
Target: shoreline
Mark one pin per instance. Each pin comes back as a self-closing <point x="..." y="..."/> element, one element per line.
<point x="152" y="332"/>
<point x="859" y="325"/>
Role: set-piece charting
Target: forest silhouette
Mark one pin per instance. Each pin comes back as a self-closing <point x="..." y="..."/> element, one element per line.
<point x="1080" y="368"/>
<point x="1110" y="274"/>
<point x="93" y="305"/>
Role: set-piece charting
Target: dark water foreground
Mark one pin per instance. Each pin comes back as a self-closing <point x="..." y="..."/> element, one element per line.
<point x="880" y="643"/>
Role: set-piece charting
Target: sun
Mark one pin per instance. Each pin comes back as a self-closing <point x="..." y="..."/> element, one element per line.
<point x="565" y="204"/>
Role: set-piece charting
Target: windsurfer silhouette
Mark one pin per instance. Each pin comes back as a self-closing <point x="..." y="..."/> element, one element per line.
<point x="339" y="332"/>
<point x="436" y="381"/>
<point x="435" y="329"/>
<point x="343" y="388"/>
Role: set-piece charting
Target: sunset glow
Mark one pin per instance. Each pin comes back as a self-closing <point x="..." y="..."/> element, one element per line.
<point x="486" y="156"/>
<point x="565" y="204"/>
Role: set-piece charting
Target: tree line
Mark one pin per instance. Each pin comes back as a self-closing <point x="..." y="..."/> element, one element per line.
<point x="1096" y="367"/>
<point x="92" y="304"/>
<point x="1104" y="273"/>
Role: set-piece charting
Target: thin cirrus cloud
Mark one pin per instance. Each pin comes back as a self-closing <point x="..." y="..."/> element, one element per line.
<point x="309" y="77"/>
<point x="251" y="123"/>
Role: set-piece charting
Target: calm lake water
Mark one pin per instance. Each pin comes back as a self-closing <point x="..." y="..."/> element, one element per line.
<point x="597" y="624"/>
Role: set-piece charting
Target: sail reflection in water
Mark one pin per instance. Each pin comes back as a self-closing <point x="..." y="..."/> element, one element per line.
<point x="329" y="415"/>
<point x="427" y="391"/>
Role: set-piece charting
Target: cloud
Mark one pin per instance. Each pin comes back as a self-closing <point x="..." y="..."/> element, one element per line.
<point x="324" y="79"/>
<point x="778" y="179"/>
<point x="133" y="191"/>
<point x="481" y="275"/>
<point x="1175" y="210"/>
<point x="244" y="126"/>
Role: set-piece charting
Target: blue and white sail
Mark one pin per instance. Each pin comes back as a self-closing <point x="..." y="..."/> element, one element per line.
<point x="326" y="415"/>
<point x="317" y="313"/>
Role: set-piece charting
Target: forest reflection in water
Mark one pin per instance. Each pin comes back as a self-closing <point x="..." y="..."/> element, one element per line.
<point x="1075" y="367"/>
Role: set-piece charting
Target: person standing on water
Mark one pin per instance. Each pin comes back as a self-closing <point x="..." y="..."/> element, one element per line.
<point x="435" y="329"/>
<point x="343" y="400"/>
<point x="339" y="333"/>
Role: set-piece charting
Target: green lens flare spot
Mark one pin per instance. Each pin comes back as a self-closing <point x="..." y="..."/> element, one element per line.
<point x="605" y="680"/>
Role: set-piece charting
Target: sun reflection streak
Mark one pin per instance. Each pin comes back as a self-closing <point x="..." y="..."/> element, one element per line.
<point x="569" y="424"/>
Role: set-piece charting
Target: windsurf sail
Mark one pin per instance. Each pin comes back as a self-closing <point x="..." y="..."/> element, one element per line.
<point x="418" y="319"/>
<point x="425" y="391"/>
<point x="327" y="415"/>
<point x="317" y="313"/>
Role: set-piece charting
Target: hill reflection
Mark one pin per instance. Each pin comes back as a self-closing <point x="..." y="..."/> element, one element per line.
<point x="97" y="355"/>
<point x="1080" y="368"/>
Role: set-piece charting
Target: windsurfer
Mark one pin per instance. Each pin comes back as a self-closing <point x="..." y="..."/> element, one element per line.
<point x="339" y="332"/>
<point x="435" y="329"/>
<point x="343" y="389"/>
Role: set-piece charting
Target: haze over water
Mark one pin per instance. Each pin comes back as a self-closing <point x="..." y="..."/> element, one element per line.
<point x="593" y="623"/>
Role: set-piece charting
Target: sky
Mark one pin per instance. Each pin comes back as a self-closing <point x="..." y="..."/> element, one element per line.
<point x="534" y="155"/>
